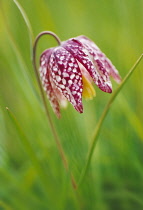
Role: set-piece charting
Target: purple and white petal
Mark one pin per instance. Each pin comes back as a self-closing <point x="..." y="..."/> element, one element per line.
<point x="47" y="82"/>
<point x="112" y="71"/>
<point x="60" y="97"/>
<point x="96" y="69"/>
<point x="67" y="76"/>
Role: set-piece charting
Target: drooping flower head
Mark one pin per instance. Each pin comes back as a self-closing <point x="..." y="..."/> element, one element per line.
<point x="68" y="70"/>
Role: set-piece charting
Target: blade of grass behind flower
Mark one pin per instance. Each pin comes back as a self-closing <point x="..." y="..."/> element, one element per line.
<point x="103" y="116"/>
<point x="20" y="60"/>
<point x="31" y="153"/>
<point x="25" y="73"/>
<point x="30" y="32"/>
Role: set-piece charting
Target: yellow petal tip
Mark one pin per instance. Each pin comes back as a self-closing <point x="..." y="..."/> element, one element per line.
<point x="88" y="90"/>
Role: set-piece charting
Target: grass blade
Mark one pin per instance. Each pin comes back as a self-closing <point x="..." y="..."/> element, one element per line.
<point x="102" y="118"/>
<point x="30" y="151"/>
<point x="31" y="36"/>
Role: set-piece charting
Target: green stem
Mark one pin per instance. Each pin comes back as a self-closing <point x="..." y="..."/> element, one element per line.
<point x="101" y="120"/>
<point x="33" y="55"/>
<point x="59" y="146"/>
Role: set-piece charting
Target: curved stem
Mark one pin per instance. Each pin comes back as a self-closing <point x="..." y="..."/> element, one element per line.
<point x="40" y="35"/>
<point x="33" y="54"/>
<point x="60" y="149"/>
<point x="102" y="118"/>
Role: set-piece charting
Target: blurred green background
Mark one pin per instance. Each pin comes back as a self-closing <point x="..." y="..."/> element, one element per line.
<point x="32" y="175"/>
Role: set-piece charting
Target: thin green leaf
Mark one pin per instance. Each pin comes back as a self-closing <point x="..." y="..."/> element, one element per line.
<point x="31" y="36"/>
<point x="30" y="151"/>
<point x="102" y="118"/>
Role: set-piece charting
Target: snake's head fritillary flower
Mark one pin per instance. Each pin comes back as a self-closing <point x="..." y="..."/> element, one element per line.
<point x="68" y="70"/>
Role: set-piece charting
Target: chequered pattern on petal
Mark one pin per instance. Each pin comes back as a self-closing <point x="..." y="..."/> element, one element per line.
<point x="63" y="68"/>
<point x="48" y="83"/>
<point x="112" y="71"/>
<point x="67" y="76"/>
<point x="86" y="56"/>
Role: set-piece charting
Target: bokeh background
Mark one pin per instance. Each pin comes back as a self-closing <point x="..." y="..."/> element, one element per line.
<point x="32" y="175"/>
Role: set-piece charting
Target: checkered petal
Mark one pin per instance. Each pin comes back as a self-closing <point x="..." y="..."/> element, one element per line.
<point x="96" y="68"/>
<point x="48" y="83"/>
<point x="99" y="56"/>
<point x="67" y="76"/>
